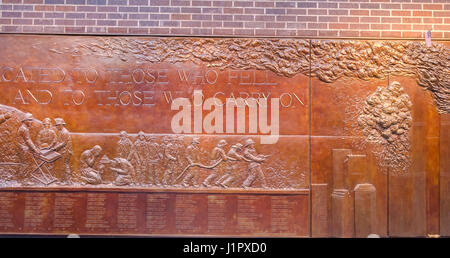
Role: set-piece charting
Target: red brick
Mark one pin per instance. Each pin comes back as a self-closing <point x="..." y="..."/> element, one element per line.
<point x="255" y="11"/>
<point x="412" y="6"/>
<point x="5" y="21"/>
<point x="441" y="13"/>
<point x="117" y="30"/>
<point x="159" y="2"/>
<point x="422" y="13"/>
<point x="391" y="6"/>
<point x="264" y="4"/>
<point x="244" y="32"/>
<point x="432" y="7"/>
<point x="223" y="32"/>
<point x="317" y="12"/>
<point x="244" y="3"/>
<point x="307" y="33"/>
<point x="180" y="31"/>
<point x="348" y="6"/>
<point x="255" y="24"/>
<point x="202" y="31"/>
<point x="144" y="31"/>
<point x="264" y="18"/>
<point x="348" y="33"/>
<point x="338" y="26"/>
<point x="32" y="15"/>
<point x="328" y="33"/>
<point x="436" y="35"/>
<point x="337" y="12"/>
<point x="127" y="23"/>
<point x="177" y="16"/>
<point x="233" y="10"/>
<point x="33" y="1"/>
<point x="432" y="20"/>
<point x="380" y="26"/>
<point x="211" y="24"/>
<point x="33" y="29"/>
<point x="54" y="29"/>
<point x="401" y="26"/>
<point x="411" y="20"/>
<point x="296" y="11"/>
<point x="12" y="1"/>
<point x="328" y="18"/>
<point x="391" y="20"/>
<point x="180" y="3"/>
<point x="265" y="32"/>
<point x="244" y="17"/>
<point x="391" y="34"/>
<point x="307" y="18"/>
<point x="412" y="34"/>
<point x="369" y="6"/>
<point x="233" y="24"/>
<point x="65" y="8"/>
<point x="445" y="27"/>
<point x="191" y="24"/>
<point x="222" y="17"/>
<point x="283" y="18"/>
<point x="223" y="3"/>
<point x="359" y="12"/>
<point x="401" y="13"/>
<point x="11" y="28"/>
<point x="160" y="31"/>
<point x="348" y="19"/>
<point x="275" y="25"/>
<point x="22" y="21"/>
<point x="296" y="25"/>
<point x="370" y="34"/>
<point x="317" y="26"/>
<point x="201" y="3"/>
<point x="380" y="13"/>
<point x="370" y="19"/>
<point x="286" y="33"/>
<point x="359" y="26"/>
<point x="422" y="27"/>
<point x="47" y="8"/>
<point x="86" y="22"/>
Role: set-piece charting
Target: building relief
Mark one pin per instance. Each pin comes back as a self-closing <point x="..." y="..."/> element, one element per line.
<point x="159" y="161"/>
<point x="329" y="59"/>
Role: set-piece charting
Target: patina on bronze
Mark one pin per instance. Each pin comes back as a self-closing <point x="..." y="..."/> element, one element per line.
<point x="88" y="144"/>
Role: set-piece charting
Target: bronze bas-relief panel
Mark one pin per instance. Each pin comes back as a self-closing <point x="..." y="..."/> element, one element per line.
<point x="89" y="139"/>
<point x="165" y="136"/>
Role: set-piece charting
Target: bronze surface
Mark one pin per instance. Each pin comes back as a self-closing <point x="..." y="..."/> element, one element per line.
<point x="88" y="146"/>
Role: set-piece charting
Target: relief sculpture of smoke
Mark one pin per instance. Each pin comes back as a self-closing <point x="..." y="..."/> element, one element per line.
<point x="386" y="121"/>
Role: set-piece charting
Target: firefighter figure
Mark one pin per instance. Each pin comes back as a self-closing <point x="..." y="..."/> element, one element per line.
<point x="64" y="146"/>
<point x="254" y="165"/>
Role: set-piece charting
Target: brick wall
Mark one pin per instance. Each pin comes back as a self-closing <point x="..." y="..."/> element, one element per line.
<point x="325" y="18"/>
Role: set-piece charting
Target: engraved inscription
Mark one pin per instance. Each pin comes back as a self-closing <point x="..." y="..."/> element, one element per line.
<point x="217" y="217"/>
<point x="157" y="211"/>
<point x="96" y="217"/>
<point x="127" y="211"/>
<point x="6" y="213"/>
<point x="64" y="210"/>
<point x="186" y="212"/>
<point x="281" y="212"/>
<point x="35" y="210"/>
<point x="248" y="217"/>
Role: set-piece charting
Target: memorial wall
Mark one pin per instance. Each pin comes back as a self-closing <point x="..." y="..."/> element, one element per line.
<point x="224" y="137"/>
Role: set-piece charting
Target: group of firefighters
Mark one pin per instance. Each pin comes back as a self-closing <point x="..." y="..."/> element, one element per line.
<point x="170" y="163"/>
<point x="144" y="161"/>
